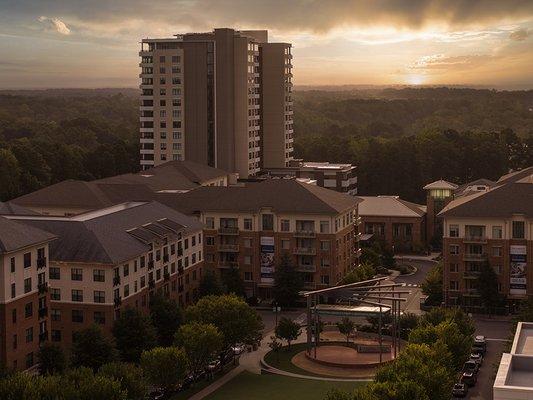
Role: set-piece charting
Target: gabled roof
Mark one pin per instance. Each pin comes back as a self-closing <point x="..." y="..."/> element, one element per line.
<point x="515" y="175"/>
<point x="14" y="235"/>
<point x="110" y="238"/>
<point x="282" y="195"/>
<point x="195" y="172"/>
<point x="389" y="206"/>
<point x="13" y="209"/>
<point x="440" y="184"/>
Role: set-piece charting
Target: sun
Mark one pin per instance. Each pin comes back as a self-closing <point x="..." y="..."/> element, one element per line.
<point x="415" y="79"/>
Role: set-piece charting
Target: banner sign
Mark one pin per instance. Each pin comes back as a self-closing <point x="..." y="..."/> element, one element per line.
<point x="518" y="264"/>
<point x="267" y="259"/>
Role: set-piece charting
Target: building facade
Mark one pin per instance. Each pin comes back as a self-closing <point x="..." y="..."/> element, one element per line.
<point x="24" y="297"/>
<point x="493" y="227"/>
<point x="106" y="260"/>
<point x="203" y="95"/>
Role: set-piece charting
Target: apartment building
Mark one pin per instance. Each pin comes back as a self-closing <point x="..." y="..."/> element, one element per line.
<point x="72" y="197"/>
<point x="493" y="226"/>
<point x="338" y="177"/>
<point x="205" y="98"/>
<point x="251" y="226"/>
<point x="24" y="297"/>
<point x="398" y="224"/>
<point x="105" y="260"/>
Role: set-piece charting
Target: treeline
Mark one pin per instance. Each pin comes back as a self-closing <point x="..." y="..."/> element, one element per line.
<point x="398" y="112"/>
<point x="44" y="140"/>
<point x="403" y="165"/>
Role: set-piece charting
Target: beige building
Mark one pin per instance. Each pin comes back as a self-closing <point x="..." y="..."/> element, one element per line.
<point x="203" y="95"/>
<point x="494" y="226"/>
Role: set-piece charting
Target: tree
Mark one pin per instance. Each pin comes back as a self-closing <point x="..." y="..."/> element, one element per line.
<point x="346" y="327"/>
<point x="487" y="286"/>
<point x="166" y="316"/>
<point x="201" y="343"/>
<point x="52" y="360"/>
<point x="83" y="384"/>
<point x="133" y="333"/>
<point x="288" y="330"/>
<point x="91" y="348"/>
<point x="360" y="273"/>
<point x="287" y="282"/>
<point x="432" y="286"/>
<point x="210" y="285"/>
<point x="164" y="367"/>
<point x="9" y="175"/>
<point x="233" y="282"/>
<point x="407" y="322"/>
<point x="275" y="345"/>
<point x="236" y="320"/>
<point x="129" y="376"/>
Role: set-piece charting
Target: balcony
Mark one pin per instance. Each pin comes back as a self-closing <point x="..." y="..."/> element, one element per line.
<point x="151" y="284"/>
<point x="42" y="288"/>
<point x="228" y="248"/>
<point x="230" y="230"/>
<point x="43" y="312"/>
<point x="116" y="280"/>
<point x="43" y="336"/>
<point x="166" y="276"/>
<point x="166" y="258"/>
<point x="304" y="233"/>
<point x="180" y="270"/>
<point x="474" y="239"/>
<point x="306" y="268"/>
<point x="41" y="262"/>
<point x="471" y="274"/>
<point x="311" y="251"/>
<point x="150" y="264"/>
<point x="228" y="264"/>
<point x="117" y="301"/>
<point x="475" y="257"/>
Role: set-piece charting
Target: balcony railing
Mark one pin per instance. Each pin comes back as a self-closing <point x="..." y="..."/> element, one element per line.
<point x="475" y="238"/>
<point x="228" y="264"/>
<point x="151" y="284"/>
<point x="305" y="233"/>
<point x="166" y="276"/>
<point x="229" y="230"/>
<point x="116" y="280"/>
<point x="231" y="248"/>
<point x="42" y="288"/>
<point x="41" y="262"/>
<point x="471" y="274"/>
<point x="117" y="301"/>
<point x="43" y="336"/>
<point x="306" y="268"/>
<point x="305" y="251"/>
<point x="43" y="312"/>
<point x="475" y="256"/>
<point x="150" y="264"/>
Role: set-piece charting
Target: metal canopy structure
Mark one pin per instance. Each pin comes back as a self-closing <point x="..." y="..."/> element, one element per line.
<point x="371" y="293"/>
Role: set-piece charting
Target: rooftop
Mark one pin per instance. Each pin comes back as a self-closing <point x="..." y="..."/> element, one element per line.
<point x="15" y="235"/>
<point x="440" y="184"/>
<point x="390" y="206"/>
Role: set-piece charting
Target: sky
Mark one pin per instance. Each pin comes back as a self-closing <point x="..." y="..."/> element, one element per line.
<point x="95" y="43"/>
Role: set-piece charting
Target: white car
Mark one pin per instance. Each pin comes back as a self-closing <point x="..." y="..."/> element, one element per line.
<point x="213" y="365"/>
<point x="238" y="349"/>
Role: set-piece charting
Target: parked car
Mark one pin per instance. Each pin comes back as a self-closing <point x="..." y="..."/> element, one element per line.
<point x="213" y="365"/>
<point x="471" y="366"/>
<point x="238" y="349"/>
<point x="469" y="378"/>
<point x="459" y="390"/>
<point x="481" y="342"/>
<point x="477" y="357"/>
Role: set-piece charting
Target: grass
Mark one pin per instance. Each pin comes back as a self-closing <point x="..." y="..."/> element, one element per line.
<point x="282" y="360"/>
<point x="248" y="386"/>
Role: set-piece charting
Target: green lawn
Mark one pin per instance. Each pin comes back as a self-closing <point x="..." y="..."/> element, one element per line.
<point x="282" y="360"/>
<point x="249" y="386"/>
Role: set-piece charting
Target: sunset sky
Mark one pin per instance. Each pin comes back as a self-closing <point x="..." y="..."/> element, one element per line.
<point x="94" y="43"/>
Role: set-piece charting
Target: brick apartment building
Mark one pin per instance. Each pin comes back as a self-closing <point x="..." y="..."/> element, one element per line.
<point x="494" y="226"/>
<point x="220" y="98"/>
<point x="105" y="260"/>
<point x="24" y="297"/>
<point x="250" y="226"/>
<point x="397" y="223"/>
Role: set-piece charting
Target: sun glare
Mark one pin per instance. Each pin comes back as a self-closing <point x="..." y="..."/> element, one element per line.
<point x="415" y="79"/>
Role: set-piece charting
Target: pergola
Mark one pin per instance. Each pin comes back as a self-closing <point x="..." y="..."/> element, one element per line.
<point x="372" y="293"/>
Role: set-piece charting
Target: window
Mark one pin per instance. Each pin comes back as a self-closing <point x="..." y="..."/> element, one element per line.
<point x="267" y="222"/>
<point x="55" y="294"/>
<point x="324" y="279"/>
<point x="126" y="270"/>
<point x="454" y="230"/>
<point x="247" y="224"/>
<point x="210" y="222"/>
<point x="175" y="59"/>
<point x="497" y="251"/>
<point x="497" y="232"/>
<point x="248" y="276"/>
<point x="454" y="249"/>
<point x="162" y="59"/>
<point x="28" y="310"/>
<point x="162" y="92"/>
<point x="55" y="273"/>
<point x="77" y="295"/>
<point x="13" y="290"/>
<point x="143" y="281"/>
<point x="247" y="260"/>
<point x="76" y="274"/>
<point x="29" y="335"/>
<point x="285" y="225"/>
<point x="285" y="244"/>
<point x="454" y="267"/>
<point x="14" y="341"/>
<point x="77" y="316"/>
<point x="29" y="360"/>
<point x="55" y="335"/>
<point x="55" y="314"/>
<point x="186" y="244"/>
<point x="99" y="317"/>
<point x="98" y="275"/>
<point x="454" y="285"/>
<point x="518" y="229"/>
<point x="324" y="245"/>
<point x="127" y="289"/>
<point x="14" y="315"/>
<point x="27" y="260"/>
<point x="99" y="296"/>
<point x="324" y="262"/>
<point x="193" y="241"/>
<point x="209" y="240"/>
<point x="27" y="285"/>
<point x="247" y="242"/>
<point x="324" y="226"/>
<point x="12" y="264"/>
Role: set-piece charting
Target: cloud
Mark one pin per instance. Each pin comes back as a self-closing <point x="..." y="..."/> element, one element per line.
<point x="438" y="62"/>
<point x="519" y="35"/>
<point x="54" y="24"/>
